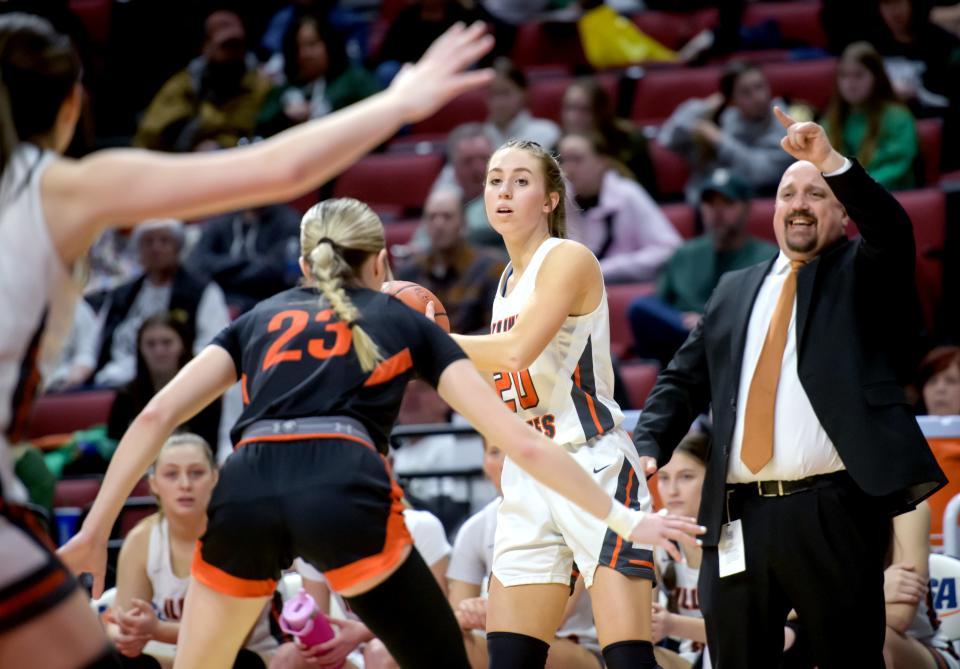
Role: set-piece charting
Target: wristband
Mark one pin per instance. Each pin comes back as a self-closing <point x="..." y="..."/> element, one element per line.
<point x="622" y="519"/>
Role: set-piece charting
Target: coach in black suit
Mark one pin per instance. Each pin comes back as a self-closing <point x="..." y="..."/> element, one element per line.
<point x="814" y="445"/>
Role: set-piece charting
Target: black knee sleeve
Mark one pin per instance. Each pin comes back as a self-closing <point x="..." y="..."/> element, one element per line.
<point x="630" y="655"/>
<point x="508" y="650"/>
<point x="393" y="611"/>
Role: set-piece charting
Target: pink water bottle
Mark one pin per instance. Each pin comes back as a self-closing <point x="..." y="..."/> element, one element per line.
<point x="302" y="618"/>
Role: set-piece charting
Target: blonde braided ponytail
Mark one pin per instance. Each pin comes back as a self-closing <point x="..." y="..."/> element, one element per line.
<point x="336" y="236"/>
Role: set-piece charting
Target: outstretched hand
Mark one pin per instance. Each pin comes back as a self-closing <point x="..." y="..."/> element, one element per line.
<point x="663" y="529"/>
<point x="808" y="141"/>
<point x="84" y="555"/>
<point x="440" y="75"/>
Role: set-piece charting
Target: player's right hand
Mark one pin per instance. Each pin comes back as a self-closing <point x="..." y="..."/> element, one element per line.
<point x="84" y="554"/>
<point x="663" y="529"/>
<point x="440" y="75"/>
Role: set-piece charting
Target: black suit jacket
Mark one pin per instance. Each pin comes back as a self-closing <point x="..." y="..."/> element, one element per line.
<point x="857" y="322"/>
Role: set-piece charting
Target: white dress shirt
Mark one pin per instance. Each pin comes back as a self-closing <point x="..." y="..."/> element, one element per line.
<point x="801" y="446"/>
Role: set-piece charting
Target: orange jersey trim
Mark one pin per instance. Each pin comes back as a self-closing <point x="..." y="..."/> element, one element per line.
<point x="397" y="539"/>
<point x="390" y="368"/>
<point x="227" y="584"/>
<point x="590" y="404"/>
<point x="626" y="503"/>
<point x="39" y="590"/>
<point x="301" y="437"/>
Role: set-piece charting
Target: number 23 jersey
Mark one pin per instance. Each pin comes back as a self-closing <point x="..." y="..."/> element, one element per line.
<point x="295" y="359"/>
<point x="567" y="393"/>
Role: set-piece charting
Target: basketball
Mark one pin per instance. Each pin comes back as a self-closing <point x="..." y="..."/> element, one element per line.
<point x="416" y="297"/>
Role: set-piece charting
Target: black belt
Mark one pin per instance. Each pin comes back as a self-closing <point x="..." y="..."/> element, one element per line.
<point x="784" y="488"/>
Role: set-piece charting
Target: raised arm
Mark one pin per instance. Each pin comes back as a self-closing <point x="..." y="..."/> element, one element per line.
<point x="124" y="186"/>
<point x="203" y="380"/>
<point x="569" y="282"/>
<point x="884" y="225"/>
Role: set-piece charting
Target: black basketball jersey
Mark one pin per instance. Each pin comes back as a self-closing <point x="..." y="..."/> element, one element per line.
<point x="295" y="359"/>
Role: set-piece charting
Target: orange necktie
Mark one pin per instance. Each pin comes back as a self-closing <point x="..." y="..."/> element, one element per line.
<point x="757" y="447"/>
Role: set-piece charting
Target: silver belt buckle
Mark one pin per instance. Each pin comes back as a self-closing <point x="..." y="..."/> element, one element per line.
<point x="778" y="493"/>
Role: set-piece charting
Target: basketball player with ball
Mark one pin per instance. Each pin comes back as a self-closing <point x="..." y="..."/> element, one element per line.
<point x="323" y="368"/>
<point x="549" y="353"/>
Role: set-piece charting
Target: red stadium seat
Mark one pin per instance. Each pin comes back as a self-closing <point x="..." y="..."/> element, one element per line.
<point x="471" y="106"/>
<point x="397" y="180"/>
<point x="540" y="43"/>
<point x="95" y="15"/>
<point x="660" y="91"/>
<point x="930" y="137"/>
<point x="79" y="492"/>
<point x="619" y="297"/>
<point x="639" y="379"/>
<point x="305" y="201"/>
<point x="672" y="171"/>
<point x="674" y="29"/>
<point x="798" y="21"/>
<point x="399" y="232"/>
<point x="810" y="81"/>
<point x="545" y="99"/>
<point x="683" y="218"/>
<point x="760" y="220"/>
<point x="68" y="412"/>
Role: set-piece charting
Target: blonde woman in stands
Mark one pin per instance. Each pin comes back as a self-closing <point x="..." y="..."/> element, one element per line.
<point x="549" y="354"/>
<point x="52" y="208"/>
<point x="153" y="570"/>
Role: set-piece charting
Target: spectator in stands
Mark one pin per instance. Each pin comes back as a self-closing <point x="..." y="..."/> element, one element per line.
<point x="463" y="277"/>
<point x="922" y="57"/>
<point x="587" y="108"/>
<point x="412" y="30"/>
<point x="468" y="150"/>
<point x="619" y="222"/>
<point x="508" y="117"/>
<point x="216" y="97"/>
<point x="866" y="119"/>
<point x="165" y="285"/>
<point x="318" y="78"/>
<point x="661" y="323"/>
<point x="912" y="640"/>
<point x="272" y="41"/>
<point x="112" y="260"/>
<point x="576" y="645"/>
<point x="734" y="128"/>
<point x="153" y="570"/>
<point x="162" y="351"/>
<point x="78" y="358"/>
<point x="939" y="382"/>
<point x="252" y="254"/>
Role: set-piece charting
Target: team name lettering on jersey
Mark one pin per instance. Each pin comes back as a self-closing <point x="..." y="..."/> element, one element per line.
<point x="546" y="424"/>
<point x="503" y="325"/>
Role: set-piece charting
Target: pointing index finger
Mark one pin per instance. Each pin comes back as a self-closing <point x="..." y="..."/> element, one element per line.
<point x="785" y="119"/>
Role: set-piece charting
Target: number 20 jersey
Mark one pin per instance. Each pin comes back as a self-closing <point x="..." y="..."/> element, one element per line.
<point x="567" y="393"/>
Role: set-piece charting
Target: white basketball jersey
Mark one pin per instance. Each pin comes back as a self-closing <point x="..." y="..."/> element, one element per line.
<point x="37" y="298"/>
<point x="169" y="590"/>
<point x="567" y="393"/>
<point x="687" y="595"/>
